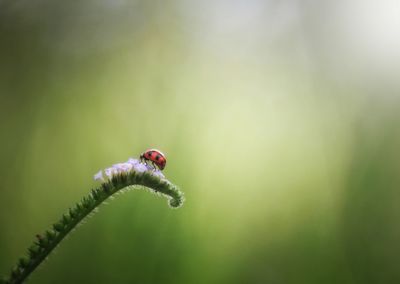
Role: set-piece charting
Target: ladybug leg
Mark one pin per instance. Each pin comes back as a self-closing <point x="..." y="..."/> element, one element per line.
<point x="154" y="166"/>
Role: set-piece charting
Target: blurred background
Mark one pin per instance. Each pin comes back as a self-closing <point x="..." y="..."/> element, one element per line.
<point x="279" y="120"/>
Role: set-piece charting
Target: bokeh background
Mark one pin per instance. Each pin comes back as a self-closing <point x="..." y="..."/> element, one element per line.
<point x="280" y="121"/>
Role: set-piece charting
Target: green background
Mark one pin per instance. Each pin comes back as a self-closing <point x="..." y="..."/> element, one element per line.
<point x="279" y="120"/>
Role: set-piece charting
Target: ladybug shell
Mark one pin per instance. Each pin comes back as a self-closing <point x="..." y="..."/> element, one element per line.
<point x="156" y="157"/>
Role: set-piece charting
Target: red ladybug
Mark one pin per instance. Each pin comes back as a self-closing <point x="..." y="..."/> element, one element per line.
<point x="156" y="157"/>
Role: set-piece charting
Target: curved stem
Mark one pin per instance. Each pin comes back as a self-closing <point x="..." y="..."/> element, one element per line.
<point x="45" y="243"/>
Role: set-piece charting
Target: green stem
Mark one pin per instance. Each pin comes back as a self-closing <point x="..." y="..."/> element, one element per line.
<point x="45" y="243"/>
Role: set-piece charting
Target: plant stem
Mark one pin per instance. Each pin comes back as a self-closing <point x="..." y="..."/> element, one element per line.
<point x="51" y="238"/>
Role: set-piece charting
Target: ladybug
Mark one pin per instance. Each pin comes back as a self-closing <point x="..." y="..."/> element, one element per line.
<point x="156" y="157"/>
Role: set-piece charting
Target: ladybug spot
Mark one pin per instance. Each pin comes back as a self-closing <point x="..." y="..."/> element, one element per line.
<point x="158" y="157"/>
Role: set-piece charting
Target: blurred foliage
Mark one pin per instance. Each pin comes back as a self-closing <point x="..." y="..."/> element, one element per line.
<point x="287" y="152"/>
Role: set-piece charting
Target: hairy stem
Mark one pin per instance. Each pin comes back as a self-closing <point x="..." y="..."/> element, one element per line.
<point x="45" y="243"/>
